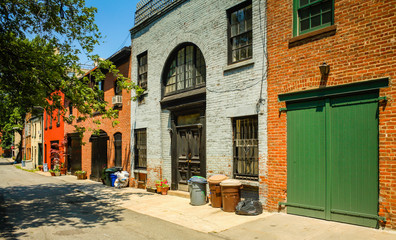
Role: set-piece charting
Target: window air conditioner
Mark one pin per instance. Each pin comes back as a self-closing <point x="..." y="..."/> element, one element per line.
<point x="117" y="100"/>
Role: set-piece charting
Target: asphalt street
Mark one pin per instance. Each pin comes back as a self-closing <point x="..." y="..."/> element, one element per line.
<point x="33" y="206"/>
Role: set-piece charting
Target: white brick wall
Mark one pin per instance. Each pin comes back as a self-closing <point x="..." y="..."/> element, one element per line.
<point x="229" y="94"/>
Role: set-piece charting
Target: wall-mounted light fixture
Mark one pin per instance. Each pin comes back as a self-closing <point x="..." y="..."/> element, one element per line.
<point x="324" y="69"/>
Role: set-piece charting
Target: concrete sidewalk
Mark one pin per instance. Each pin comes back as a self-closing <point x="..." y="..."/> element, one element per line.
<point x="206" y="219"/>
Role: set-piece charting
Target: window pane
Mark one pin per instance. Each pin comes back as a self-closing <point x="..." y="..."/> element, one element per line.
<point x="245" y="135"/>
<point x="315" y="21"/>
<point x="304" y="25"/>
<point x="235" y="55"/>
<point x="249" y="24"/>
<point x="326" y="6"/>
<point x="234" y="18"/>
<point x="304" y="13"/>
<point x="315" y="10"/>
<point x="242" y="27"/>
<point x="303" y="2"/>
<point x="140" y="149"/>
<point x="234" y="30"/>
<point x="250" y="52"/>
<point x="185" y="71"/>
<point x="243" y="53"/>
<point x="326" y="18"/>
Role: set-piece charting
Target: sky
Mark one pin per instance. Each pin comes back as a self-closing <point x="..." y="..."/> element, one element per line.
<point x="114" y="18"/>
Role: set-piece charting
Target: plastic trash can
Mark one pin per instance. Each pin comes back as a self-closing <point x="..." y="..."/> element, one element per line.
<point x="215" y="189"/>
<point x="197" y="188"/>
<point x="113" y="178"/>
<point x="45" y="167"/>
<point x="108" y="172"/>
<point x="230" y="194"/>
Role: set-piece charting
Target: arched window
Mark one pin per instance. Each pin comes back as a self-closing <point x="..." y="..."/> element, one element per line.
<point x="118" y="150"/>
<point x="185" y="69"/>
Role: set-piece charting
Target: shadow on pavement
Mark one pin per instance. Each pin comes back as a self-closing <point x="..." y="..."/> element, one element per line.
<point x="6" y="163"/>
<point x="33" y="206"/>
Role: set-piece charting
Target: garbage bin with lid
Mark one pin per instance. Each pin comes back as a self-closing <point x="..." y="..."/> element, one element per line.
<point x="113" y="178"/>
<point x="230" y="194"/>
<point x="109" y="171"/>
<point x="197" y="188"/>
<point x="215" y="189"/>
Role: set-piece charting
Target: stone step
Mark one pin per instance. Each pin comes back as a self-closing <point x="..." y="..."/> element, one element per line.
<point x="179" y="193"/>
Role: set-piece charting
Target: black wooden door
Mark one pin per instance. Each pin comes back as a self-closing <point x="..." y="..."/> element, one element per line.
<point x="188" y="157"/>
<point x="98" y="156"/>
<point x="74" y="154"/>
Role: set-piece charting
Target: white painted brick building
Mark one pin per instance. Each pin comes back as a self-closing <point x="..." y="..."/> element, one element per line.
<point x="231" y="90"/>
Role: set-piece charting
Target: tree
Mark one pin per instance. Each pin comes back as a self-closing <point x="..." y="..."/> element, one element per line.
<point x="40" y="41"/>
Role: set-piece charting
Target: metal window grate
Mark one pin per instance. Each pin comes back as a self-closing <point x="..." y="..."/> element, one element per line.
<point x="118" y="149"/>
<point x="140" y="148"/>
<point x="245" y="137"/>
<point x="147" y="8"/>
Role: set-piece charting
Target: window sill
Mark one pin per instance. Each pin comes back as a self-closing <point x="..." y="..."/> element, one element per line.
<point x="140" y="171"/>
<point x="238" y="65"/>
<point x="312" y="36"/>
<point x="249" y="183"/>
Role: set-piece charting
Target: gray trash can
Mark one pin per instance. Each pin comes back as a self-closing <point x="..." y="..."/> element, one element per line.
<point x="197" y="188"/>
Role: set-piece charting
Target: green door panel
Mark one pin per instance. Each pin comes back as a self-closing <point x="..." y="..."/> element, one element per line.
<point x="332" y="147"/>
<point x="306" y="161"/>
<point x="353" y="159"/>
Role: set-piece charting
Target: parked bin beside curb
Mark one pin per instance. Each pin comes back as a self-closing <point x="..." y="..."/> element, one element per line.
<point x="197" y="188"/>
<point x="230" y="194"/>
<point x="215" y="189"/>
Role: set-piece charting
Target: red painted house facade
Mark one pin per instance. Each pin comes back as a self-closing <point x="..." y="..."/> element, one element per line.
<point x="331" y="135"/>
<point x="54" y="134"/>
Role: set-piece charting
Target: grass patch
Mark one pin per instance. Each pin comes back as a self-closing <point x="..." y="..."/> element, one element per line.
<point x="27" y="170"/>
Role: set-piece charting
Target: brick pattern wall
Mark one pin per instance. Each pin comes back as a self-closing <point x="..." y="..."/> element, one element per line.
<point x="123" y="127"/>
<point x="363" y="48"/>
<point x="228" y="93"/>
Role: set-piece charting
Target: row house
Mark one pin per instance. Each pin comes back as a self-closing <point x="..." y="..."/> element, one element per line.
<point x="54" y="130"/>
<point x="292" y="97"/>
<point x="111" y="147"/>
<point x="202" y="65"/>
<point x="36" y="129"/>
<point x="331" y="111"/>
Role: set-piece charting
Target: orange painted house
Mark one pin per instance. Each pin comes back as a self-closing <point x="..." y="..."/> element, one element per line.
<point x="53" y="135"/>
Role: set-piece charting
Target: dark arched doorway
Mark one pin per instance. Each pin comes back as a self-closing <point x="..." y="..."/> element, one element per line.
<point x="184" y="95"/>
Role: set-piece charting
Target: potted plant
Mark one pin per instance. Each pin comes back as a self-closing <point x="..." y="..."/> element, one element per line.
<point x="164" y="187"/>
<point x="57" y="171"/>
<point x="158" y="185"/>
<point x="63" y="169"/>
<point x="40" y="167"/>
<point x="52" y="172"/>
<point x="81" y="175"/>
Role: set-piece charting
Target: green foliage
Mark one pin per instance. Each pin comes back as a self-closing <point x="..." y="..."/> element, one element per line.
<point x="39" y="45"/>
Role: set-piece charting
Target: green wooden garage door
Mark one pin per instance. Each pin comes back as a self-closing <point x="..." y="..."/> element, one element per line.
<point x="333" y="158"/>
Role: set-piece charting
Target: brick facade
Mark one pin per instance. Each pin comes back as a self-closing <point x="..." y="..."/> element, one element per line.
<point x="124" y="119"/>
<point x="361" y="48"/>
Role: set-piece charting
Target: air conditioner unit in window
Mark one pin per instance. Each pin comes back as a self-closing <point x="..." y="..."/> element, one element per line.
<point x="117" y="100"/>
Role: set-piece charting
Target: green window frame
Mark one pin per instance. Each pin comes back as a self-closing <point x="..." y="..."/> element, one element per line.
<point x="311" y="15"/>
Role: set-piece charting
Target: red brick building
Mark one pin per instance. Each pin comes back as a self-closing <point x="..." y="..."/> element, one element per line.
<point x="54" y="135"/>
<point x="112" y="146"/>
<point x="332" y="136"/>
